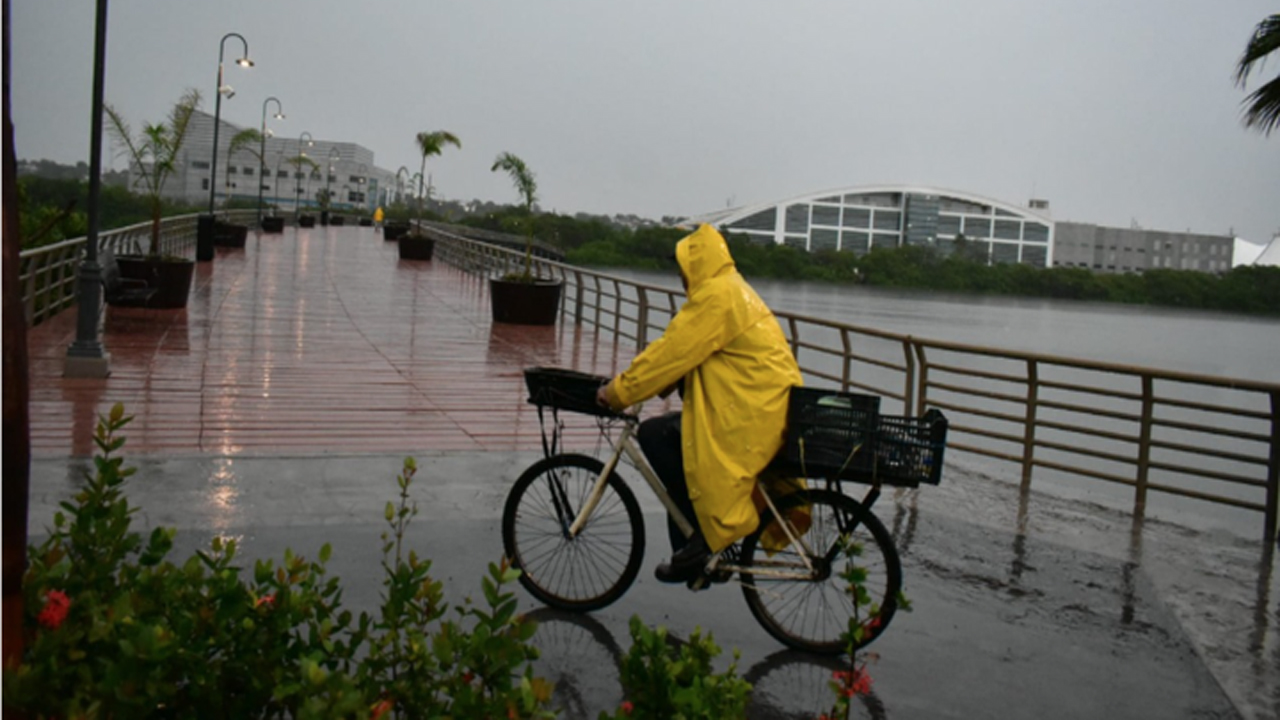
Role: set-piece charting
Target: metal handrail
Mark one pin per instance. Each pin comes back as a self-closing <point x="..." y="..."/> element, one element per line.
<point x="48" y="273"/>
<point x="1192" y="436"/>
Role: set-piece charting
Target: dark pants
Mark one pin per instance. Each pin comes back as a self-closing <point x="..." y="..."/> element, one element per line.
<point x="660" y="440"/>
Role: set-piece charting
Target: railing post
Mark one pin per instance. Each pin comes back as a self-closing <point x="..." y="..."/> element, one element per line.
<point x="917" y="377"/>
<point x="1273" y="473"/>
<point x="642" y="319"/>
<point x="1144" y="448"/>
<point x="846" y="371"/>
<point x="795" y="339"/>
<point x="1029" y="429"/>
<point x="577" y="304"/>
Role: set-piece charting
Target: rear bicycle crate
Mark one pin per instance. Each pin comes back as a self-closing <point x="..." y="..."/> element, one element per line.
<point x="908" y="450"/>
<point x="829" y="433"/>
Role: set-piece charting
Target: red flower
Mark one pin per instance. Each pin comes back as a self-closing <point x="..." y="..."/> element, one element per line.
<point x="382" y="708"/>
<point x="56" y="604"/>
<point x="268" y="600"/>
<point x="627" y="707"/>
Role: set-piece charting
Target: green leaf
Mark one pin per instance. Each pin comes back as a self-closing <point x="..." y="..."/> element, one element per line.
<point x="325" y="551"/>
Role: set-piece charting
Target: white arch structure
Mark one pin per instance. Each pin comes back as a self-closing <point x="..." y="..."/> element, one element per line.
<point x="858" y="218"/>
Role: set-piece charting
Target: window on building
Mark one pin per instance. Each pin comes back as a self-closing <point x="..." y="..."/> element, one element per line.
<point x="856" y="218"/>
<point x="204" y="183"/>
<point x="763" y="220"/>
<point x="200" y="164"/>
<point x="231" y="169"/>
<point x="823" y="239"/>
<point x="977" y="227"/>
<point x="282" y="173"/>
<point x="1035" y="232"/>
<point x="1008" y="229"/>
<point x="248" y="171"/>
<point x="887" y="220"/>
<point x="798" y="219"/>
<point x="826" y="215"/>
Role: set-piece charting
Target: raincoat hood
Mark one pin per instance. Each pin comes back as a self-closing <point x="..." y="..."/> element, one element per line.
<point x="703" y="255"/>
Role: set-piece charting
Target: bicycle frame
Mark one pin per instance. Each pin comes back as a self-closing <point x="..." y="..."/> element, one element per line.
<point x="625" y="445"/>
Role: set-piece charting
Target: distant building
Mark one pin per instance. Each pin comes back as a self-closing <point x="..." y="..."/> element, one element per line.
<point x="356" y="181"/>
<point x="857" y="219"/>
<point x="1128" y="250"/>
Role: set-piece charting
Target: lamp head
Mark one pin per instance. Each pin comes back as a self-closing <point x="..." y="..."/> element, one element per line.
<point x="270" y="133"/>
<point x="279" y="116"/>
<point x="245" y="62"/>
<point x="227" y="91"/>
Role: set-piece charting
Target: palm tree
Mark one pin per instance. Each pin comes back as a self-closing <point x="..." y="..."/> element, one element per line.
<point x="1262" y="106"/>
<point x="432" y="143"/>
<point x="522" y="177"/>
<point x="154" y="153"/>
<point x="246" y="139"/>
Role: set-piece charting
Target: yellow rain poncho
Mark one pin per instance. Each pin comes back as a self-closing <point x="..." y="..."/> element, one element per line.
<point x="738" y="370"/>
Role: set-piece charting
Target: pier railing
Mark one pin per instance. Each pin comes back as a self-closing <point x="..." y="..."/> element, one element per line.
<point x="1056" y="419"/>
<point x="48" y="273"/>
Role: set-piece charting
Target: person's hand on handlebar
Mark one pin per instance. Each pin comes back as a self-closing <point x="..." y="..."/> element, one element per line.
<point x="602" y="396"/>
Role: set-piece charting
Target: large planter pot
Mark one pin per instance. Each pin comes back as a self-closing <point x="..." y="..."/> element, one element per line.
<point x="324" y="218"/>
<point x="366" y="222"/>
<point x="306" y="221"/>
<point x="229" y="235"/>
<point x="171" y="277"/>
<point x="272" y="224"/>
<point x="524" y="303"/>
<point x="417" y="247"/>
<point x="337" y="220"/>
<point x="395" y="231"/>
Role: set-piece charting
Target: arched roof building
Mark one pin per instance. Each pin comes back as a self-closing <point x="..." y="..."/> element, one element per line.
<point x="856" y="219"/>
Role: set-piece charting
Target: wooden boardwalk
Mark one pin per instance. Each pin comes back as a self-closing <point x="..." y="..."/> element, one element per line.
<point x="314" y="341"/>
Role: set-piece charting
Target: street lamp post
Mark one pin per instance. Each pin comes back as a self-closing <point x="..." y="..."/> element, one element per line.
<point x="86" y="356"/>
<point x="362" y="181"/>
<point x="297" y="181"/>
<point x="204" y="225"/>
<point x="262" y="148"/>
<point x="328" y="180"/>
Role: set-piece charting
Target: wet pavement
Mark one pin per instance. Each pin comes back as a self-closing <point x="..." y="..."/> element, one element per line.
<point x="1005" y="625"/>
<point x="277" y="408"/>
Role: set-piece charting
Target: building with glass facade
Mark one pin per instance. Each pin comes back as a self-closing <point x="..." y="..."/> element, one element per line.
<point x="857" y="219"/>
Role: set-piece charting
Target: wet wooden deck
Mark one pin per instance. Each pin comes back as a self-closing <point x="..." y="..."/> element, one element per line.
<point x="314" y="341"/>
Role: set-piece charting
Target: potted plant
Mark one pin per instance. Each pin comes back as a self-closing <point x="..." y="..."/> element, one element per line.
<point x="153" y="158"/>
<point x="304" y="220"/>
<point x="227" y="234"/>
<point x="414" y="243"/>
<point x="521" y="297"/>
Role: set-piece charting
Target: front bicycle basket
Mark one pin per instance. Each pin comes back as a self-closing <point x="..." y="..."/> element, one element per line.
<point x="566" y="389"/>
<point x="829" y="434"/>
<point x="908" y="450"/>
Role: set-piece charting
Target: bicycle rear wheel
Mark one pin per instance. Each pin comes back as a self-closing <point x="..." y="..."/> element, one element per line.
<point x="586" y="572"/>
<point x="812" y="613"/>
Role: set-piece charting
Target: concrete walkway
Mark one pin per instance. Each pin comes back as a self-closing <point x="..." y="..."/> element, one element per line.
<point x="279" y="406"/>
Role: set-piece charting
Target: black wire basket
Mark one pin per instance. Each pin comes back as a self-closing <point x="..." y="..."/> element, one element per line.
<point x="566" y="389"/>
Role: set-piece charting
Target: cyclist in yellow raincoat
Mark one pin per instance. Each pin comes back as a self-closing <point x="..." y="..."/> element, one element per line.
<point x="737" y="370"/>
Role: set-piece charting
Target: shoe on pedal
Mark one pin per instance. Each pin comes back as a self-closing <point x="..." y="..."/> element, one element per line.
<point x="686" y="564"/>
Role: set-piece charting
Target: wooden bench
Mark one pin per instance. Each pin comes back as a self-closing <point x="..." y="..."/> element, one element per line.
<point x="118" y="290"/>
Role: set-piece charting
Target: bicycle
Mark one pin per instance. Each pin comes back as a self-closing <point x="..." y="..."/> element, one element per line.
<point x="575" y="530"/>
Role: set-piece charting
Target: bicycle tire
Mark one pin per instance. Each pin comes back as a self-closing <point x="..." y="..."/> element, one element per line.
<point x="811" y="615"/>
<point x="591" y="570"/>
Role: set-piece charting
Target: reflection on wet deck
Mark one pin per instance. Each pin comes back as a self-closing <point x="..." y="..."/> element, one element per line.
<point x="323" y="341"/>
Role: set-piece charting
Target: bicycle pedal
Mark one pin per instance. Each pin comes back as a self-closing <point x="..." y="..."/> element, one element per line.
<point x="699" y="583"/>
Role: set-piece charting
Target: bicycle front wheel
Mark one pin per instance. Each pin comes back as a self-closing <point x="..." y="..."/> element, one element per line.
<point x="585" y="572"/>
<point x="811" y="610"/>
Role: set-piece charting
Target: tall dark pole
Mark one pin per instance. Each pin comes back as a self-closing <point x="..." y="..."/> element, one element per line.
<point x="262" y="148"/>
<point x="204" y="229"/>
<point x="85" y="356"/>
<point x="17" y="427"/>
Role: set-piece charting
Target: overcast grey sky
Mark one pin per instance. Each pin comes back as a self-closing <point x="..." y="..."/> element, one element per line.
<point x="1116" y="112"/>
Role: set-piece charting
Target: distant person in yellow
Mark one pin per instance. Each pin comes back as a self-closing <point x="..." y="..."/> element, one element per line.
<point x="727" y="351"/>
<point x="377" y="219"/>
